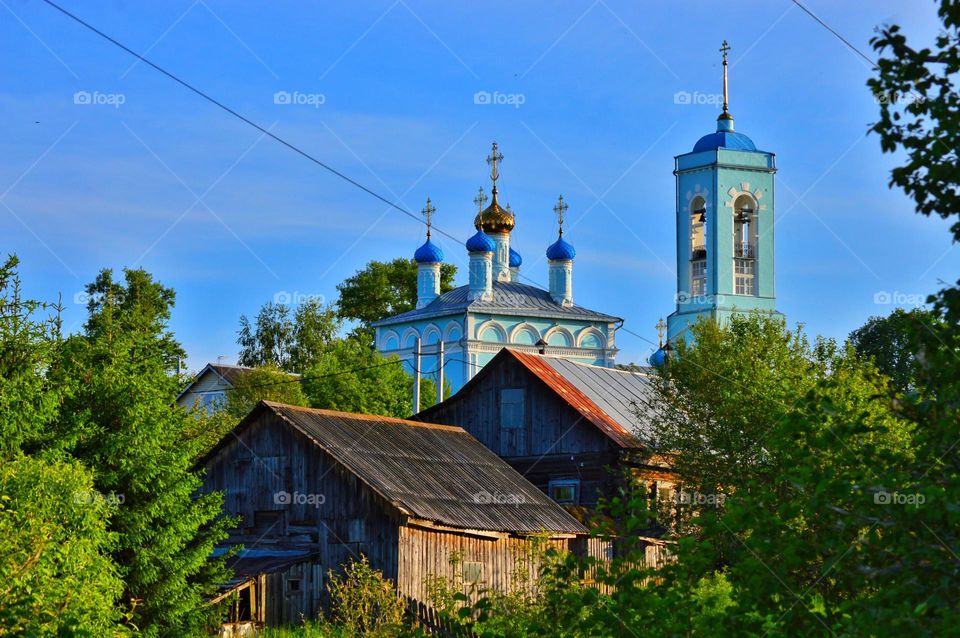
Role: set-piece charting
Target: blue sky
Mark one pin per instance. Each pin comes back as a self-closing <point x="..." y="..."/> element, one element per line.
<point x="150" y="175"/>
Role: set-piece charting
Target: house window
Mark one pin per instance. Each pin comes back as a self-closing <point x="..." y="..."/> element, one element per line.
<point x="293" y="585"/>
<point x="698" y="277"/>
<point x="698" y="247"/>
<point x="566" y="492"/>
<point x="744" y="270"/>
<point x="744" y="246"/>
<point x="511" y="408"/>
<point x="472" y="572"/>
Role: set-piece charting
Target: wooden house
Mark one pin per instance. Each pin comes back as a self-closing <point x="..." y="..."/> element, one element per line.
<point x="572" y="429"/>
<point x="316" y="488"/>
<point x="209" y="387"/>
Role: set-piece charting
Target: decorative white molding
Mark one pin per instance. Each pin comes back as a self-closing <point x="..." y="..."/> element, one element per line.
<point x="586" y="332"/>
<point x="520" y="328"/>
<point x="570" y="339"/>
<point x="493" y="325"/>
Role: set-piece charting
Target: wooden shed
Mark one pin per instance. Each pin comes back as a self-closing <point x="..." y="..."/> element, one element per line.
<point x="316" y="488"/>
<point x="572" y="429"/>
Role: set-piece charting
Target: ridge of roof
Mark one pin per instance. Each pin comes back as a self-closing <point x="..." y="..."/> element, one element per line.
<point x="576" y="398"/>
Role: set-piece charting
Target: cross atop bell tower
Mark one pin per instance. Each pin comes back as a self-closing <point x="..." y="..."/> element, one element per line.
<point x="726" y="98"/>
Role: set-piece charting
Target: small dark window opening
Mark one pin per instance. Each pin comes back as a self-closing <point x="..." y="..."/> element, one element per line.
<point x="566" y="492"/>
<point x="472" y="572"/>
<point x="293" y="584"/>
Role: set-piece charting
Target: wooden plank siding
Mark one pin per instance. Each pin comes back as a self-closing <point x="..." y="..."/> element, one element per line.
<point x="556" y="441"/>
<point x="267" y="459"/>
<point x="308" y="512"/>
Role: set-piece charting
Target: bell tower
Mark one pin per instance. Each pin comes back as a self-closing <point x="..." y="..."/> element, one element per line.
<point x="724" y="217"/>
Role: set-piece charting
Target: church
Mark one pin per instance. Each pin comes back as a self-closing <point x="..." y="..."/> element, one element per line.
<point x="463" y="329"/>
<point x="724" y="220"/>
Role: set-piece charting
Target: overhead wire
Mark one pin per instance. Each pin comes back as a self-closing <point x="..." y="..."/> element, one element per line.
<point x="289" y="144"/>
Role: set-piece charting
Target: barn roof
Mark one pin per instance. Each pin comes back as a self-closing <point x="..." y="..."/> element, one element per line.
<point x="437" y="473"/>
<point x="617" y="402"/>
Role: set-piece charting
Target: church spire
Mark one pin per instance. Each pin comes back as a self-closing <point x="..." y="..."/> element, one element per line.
<point x="725" y="120"/>
<point x="494" y="174"/>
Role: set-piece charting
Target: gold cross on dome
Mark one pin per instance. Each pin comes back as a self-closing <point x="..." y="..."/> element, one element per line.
<point x="560" y="209"/>
<point x="427" y="213"/>
<point x="480" y="200"/>
<point x="492" y="160"/>
<point x="661" y="328"/>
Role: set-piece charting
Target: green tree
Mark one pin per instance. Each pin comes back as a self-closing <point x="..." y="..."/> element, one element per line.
<point x="29" y="348"/>
<point x="122" y="422"/>
<point x="890" y="342"/>
<point x="286" y="340"/>
<point x="724" y="390"/>
<point x="263" y="384"/>
<point x="56" y="576"/>
<point x="352" y="377"/>
<point x="383" y="289"/>
<point x="919" y="96"/>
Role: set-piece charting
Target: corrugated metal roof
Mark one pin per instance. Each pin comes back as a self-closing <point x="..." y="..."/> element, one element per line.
<point x="626" y="397"/>
<point x="602" y="395"/>
<point x="434" y="472"/>
<point x="509" y="298"/>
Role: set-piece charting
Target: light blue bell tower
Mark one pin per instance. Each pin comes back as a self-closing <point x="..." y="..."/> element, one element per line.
<point x="725" y="246"/>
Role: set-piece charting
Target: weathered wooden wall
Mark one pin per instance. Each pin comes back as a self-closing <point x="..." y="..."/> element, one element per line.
<point x="430" y="553"/>
<point x="339" y="517"/>
<point x="556" y="442"/>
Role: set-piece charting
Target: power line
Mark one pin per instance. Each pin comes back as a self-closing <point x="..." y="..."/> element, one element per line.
<point x="286" y="143"/>
<point x="245" y="119"/>
<point x="831" y="30"/>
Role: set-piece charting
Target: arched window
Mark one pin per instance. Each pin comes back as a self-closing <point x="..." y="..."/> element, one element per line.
<point x="698" y="246"/>
<point x="744" y="245"/>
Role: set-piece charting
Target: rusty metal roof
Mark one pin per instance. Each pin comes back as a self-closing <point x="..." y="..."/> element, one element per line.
<point x="604" y="396"/>
<point x="437" y="473"/>
<point x="618" y="402"/>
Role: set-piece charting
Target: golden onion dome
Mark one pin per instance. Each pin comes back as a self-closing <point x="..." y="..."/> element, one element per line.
<point x="494" y="218"/>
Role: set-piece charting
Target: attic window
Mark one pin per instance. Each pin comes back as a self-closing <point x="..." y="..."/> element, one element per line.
<point x="293" y="585"/>
<point x="472" y="572"/>
<point x="565" y="492"/>
<point x="511" y="408"/>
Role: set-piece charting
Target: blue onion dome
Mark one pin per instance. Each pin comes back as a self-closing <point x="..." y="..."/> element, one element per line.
<point x="480" y="243"/>
<point x="429" y="253"/>
<point x="515" y="259"/>
<point x="725" y="138"/>
<point x="561" y="250"/>
<point x="658" y="358"/>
